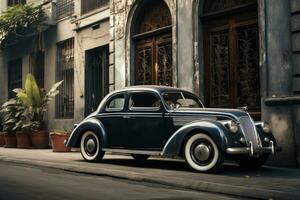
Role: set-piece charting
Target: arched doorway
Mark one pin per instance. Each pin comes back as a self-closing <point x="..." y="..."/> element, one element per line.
<point x="152" y="38"/>
<point x="231" y="54"/>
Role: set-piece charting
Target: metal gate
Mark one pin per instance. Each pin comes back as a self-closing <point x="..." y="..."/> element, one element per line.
<point x="96" y="78"/>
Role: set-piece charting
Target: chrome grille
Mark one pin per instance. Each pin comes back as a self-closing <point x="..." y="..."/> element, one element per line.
<point x="249" y="131"/>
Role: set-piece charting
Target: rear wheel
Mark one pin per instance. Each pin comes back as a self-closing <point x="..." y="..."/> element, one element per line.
<point x="90" y="147"/>
<point x="252" y="162"/>
<point x="202" y="153"/>
<point x="140" y="157"/>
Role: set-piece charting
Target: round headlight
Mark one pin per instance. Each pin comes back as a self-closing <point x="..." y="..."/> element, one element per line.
<point x="233" y="127"/>
<point x="266" y="127"/>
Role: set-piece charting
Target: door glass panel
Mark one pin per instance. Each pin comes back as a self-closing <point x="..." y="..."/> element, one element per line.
<point x="247" y="68"/>
<point x="164" y="71"/>
<point x="144" y="66"/>
<point x="232" y="55"/>
<point x="219" y="69"/>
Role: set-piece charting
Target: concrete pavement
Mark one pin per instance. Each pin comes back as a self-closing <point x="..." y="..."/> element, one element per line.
<point x="265" y="183"/>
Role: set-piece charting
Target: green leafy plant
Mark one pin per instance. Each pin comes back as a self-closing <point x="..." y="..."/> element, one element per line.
<point x="20" y="21"/>
<point x="12" y="115"/>
<point x="35" y="103"/>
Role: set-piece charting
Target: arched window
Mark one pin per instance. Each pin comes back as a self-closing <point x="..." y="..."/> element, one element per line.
<point x="153" y="44"/>
<point x="232" y="54"/>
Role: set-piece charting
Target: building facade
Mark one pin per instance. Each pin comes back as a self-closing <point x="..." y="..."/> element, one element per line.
<point x="231" y="53"/>
<point x="74" y="47"/>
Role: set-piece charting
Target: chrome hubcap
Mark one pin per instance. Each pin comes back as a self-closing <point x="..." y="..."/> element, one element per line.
<point x="201" y="152"/>
<point x="90" y="145"/>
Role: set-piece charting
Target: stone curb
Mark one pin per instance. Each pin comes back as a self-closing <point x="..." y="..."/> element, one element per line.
<point x="203" y="186"/>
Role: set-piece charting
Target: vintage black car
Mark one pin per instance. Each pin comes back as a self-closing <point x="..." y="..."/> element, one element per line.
<point x="171" y="122"/>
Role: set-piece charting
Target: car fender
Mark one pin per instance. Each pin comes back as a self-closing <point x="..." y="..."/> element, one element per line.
<point x="90" y="124"/>
<point x="216" y="130"/>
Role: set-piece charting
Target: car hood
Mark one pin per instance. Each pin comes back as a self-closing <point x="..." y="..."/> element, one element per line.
<point x="231" y="113"/>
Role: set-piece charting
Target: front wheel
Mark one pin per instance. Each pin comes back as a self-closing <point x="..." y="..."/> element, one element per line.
<point x="90" y="147"/>
<point x="202" y="153"/>
<point x="252" y="162"/>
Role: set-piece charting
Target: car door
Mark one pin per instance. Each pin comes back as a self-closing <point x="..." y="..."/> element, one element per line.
<point x="114" y="122"/>
<point x="145" y="120"/>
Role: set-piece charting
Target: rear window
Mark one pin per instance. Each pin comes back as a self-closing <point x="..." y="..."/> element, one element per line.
<point x="116" y="103"/>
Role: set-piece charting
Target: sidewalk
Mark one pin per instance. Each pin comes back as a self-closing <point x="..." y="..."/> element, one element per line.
<point x="266" y="183"/>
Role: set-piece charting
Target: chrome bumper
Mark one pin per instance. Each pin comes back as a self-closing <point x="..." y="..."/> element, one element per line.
<point x="251" y="150"/>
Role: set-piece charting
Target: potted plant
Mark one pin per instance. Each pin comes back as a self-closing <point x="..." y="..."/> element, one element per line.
<point x="35" y="103"/>
<point x="58" y="141"/>
<point x="10" y="111"/>
<point x="23" y="137"/>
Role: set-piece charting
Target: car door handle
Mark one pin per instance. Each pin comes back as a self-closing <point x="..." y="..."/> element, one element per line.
<point x="126" y="117"/>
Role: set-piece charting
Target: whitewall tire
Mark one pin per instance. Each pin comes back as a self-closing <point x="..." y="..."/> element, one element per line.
<point x="202" y="153"/>
<point x="90" y="147"/>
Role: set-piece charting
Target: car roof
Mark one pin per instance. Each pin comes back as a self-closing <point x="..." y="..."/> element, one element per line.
<point x="160" y="89"/>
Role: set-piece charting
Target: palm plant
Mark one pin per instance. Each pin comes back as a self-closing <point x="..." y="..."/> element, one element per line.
<point x="34" y="102"/>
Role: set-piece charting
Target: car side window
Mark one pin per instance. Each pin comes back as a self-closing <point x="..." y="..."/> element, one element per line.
<point x="116" y="103"/>
<point x="144" y="100"/>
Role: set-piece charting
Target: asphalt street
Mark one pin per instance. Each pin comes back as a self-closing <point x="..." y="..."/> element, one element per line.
<point x="22" y="182"/>
<point x="265" y="183"/>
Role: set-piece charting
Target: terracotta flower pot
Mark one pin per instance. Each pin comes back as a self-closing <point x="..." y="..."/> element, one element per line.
<point x="40" y="140"/>
<point x="57" y="140"/>
<point x="2" y="140"/>
<point x="10" y="140"/>
<point x="23" y="140"/>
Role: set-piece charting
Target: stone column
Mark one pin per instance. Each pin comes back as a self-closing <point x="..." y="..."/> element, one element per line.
<point x="295" y="19"/>
<point x="278" y="75"/>
<point x="185" y="64"/>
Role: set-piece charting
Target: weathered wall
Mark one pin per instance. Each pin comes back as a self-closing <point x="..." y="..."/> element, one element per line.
<point x="61" y="32"/>
<point x="279" y="73"/>
<point x="295" y="14"/>
<point x="85" y="38"/>
<point x="2" y="5"/>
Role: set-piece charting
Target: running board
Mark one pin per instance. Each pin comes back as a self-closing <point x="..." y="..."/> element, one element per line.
<point x="130" y="151"/>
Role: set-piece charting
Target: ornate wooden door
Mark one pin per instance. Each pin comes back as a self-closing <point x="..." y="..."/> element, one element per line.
<point x="153" y="46"/>
<point x="231" y="57"/>
<point x="154" y="61"/>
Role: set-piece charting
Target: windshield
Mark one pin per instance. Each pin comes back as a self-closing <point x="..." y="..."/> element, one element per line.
<point x="181" y="99"/>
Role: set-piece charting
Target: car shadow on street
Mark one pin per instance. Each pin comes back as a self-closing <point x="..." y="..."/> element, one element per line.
<point x="228" y="168"/>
